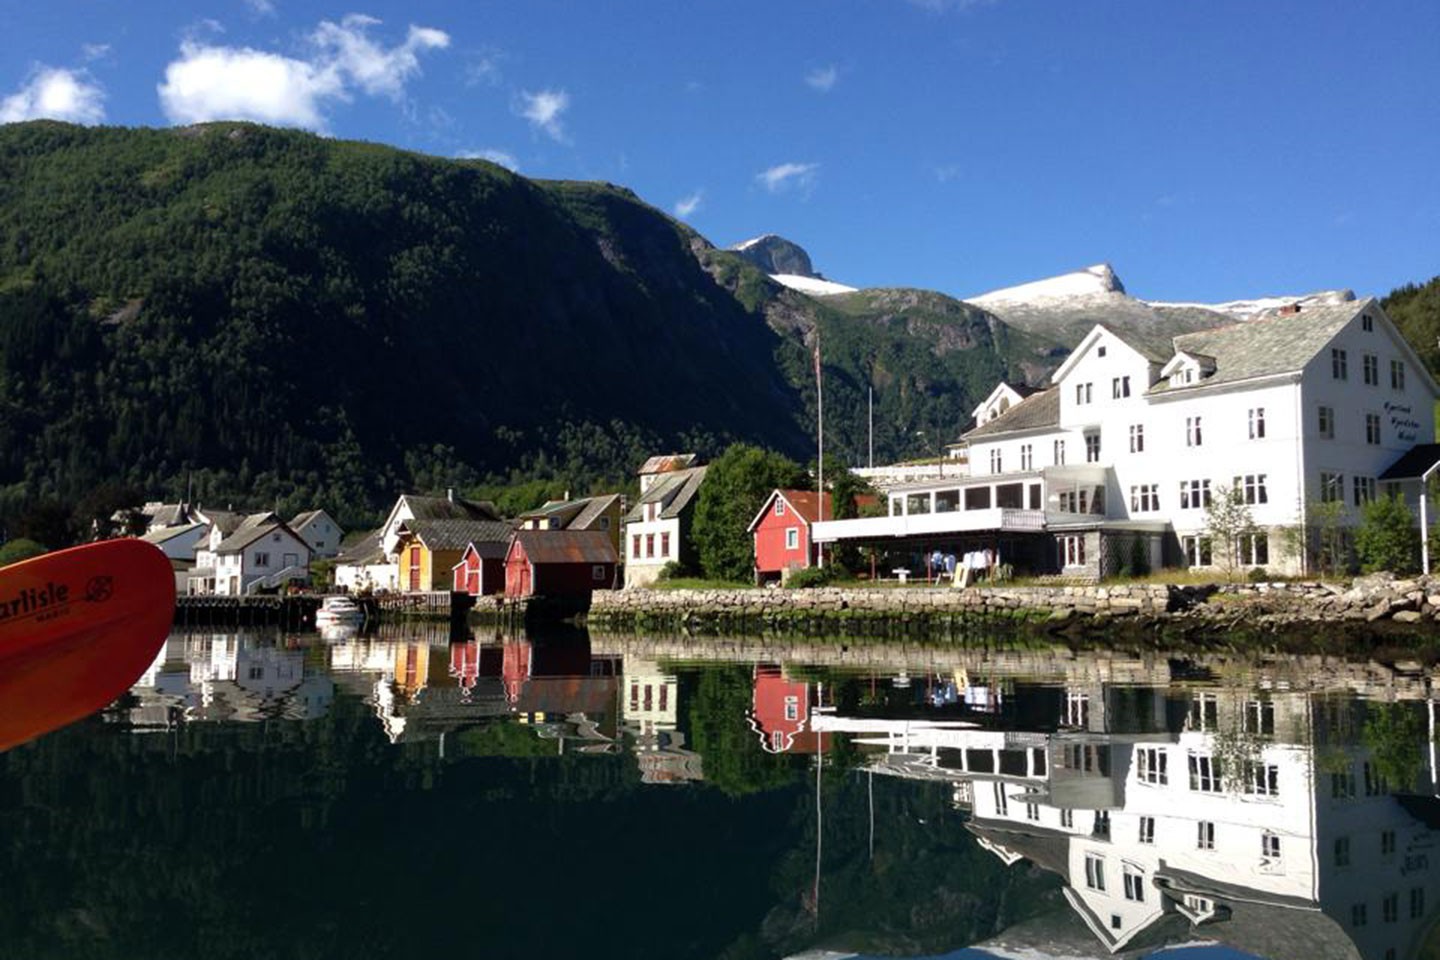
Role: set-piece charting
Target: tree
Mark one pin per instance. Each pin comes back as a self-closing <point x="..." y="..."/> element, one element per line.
<point x="736" y="485"/>
<point x="1386" y="538"/>
<point x="1228" y="522"/>
<point x="17" y="550"/>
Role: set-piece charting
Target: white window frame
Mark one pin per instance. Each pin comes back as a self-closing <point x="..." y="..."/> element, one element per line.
<point x="1257" y="423"/>
<point x="1137" y="438"/>
<point x="792" y="538"/>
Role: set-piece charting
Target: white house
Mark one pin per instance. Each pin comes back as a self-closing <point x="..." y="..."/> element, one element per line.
<point x="259" y="556"/>
<point x="1113" y="464"/>
<point x="657" y="528"/>
<point x="320" y="531"/>
<point x="178" y="542"/>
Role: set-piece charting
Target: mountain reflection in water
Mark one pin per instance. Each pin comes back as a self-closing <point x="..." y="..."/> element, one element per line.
<point x="563" y="795"/>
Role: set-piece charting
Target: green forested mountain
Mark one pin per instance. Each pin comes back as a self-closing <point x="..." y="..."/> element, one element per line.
<point x="278" y="318"/>
<point x="1415" y="308"/>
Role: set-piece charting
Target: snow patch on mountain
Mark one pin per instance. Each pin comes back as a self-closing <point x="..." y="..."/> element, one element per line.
<point x="1099" y="279"/>
<point x="1248" y="309"/>
<point x="811" y="285"/>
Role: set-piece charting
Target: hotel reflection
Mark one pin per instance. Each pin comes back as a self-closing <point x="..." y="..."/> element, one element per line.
<point x="1263" y="820"/>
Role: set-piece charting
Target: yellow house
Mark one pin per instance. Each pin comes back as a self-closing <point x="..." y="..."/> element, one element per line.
<point x="428" y="550"/>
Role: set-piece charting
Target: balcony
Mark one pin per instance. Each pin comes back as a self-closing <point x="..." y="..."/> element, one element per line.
<point x="930" y="524"/>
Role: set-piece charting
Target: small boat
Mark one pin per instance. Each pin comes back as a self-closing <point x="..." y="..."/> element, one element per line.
<point x="77" y="628"/>
<point x="339" y="611"/>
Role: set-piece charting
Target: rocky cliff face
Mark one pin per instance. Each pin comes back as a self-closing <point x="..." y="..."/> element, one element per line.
<point x="775" y="254"/>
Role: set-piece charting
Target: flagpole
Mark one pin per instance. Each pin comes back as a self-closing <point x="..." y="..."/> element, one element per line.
<point x="820" y="440"/>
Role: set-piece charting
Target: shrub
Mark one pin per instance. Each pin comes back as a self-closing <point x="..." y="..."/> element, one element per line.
<point x="1386" y="538"/>
<point x="813" y="577"/>
<point x="673" y="570"/>
<point x="19" y="549"/>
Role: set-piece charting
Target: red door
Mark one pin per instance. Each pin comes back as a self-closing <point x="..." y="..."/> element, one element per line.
<point x="414" y="568"/>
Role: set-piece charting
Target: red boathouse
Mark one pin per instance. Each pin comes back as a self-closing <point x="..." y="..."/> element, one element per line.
<point x="559" y="563"/>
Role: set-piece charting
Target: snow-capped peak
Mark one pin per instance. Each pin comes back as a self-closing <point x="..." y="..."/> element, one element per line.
<point x="1246" y="309"/>
<point x="747" y="244"/>
<point x="1099" y="279"/>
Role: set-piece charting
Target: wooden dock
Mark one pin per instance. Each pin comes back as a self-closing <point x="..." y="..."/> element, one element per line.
<point x="297" y="611"/>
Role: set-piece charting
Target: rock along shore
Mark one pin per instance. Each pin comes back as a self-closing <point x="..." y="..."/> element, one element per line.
<point x="1377" y="601"/>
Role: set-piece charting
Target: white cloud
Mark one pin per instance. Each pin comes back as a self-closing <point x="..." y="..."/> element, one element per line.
<point x="211" y="82"/>
<point x="94" y="51"/>
<point x="55" y="93"/>
<point x="780" y="178"/>
<point x="543" y="110"/>
<point x="500" y="157"/>
<point x="483" y="68"/>
<point x="685" y="206"/>
<point x="823" y="79"/>
<point x="376" y="70"/>
<point x="261" y="8"/>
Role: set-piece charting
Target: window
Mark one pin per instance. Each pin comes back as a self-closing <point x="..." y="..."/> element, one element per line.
<point x="1094" y="872"/>
<point x="1075" y="501"/>
<point x="1152" y="765"/>
<point x="1120" y="388"/>
<point x="1197" y="550"/>
<point x="1327" y="423"/>
<point x="1137" y="438"/>
<point x="1417" y="902"/>
<point x="1002" y="802"/>
<point x="1342" y="851"/>
<point x="1082" y="393"/>
<point x="1257" y="423"/>
<point x="665" y="543"/>
<point x="1364" y="490"/>
<point x="649" y="544"/>
<point x="1269" y="846"/>
<point x="1342" y="785"/>
<point x="1252" y="488"/>
<point x="779" y="507"/>
<point x="1194" y="494"/>
<point x="1376" y="786"/>
<point x="635" y="545"/>
<point x="1387" y="842"/>
<point x="1147" y="830"/>
<point x="1357" y="915"/>
<point x="1205" y="835"/>
<point x="1367" y="322"/>
<point x="1259" y="717"/>
<point x="1134" y="885"/>
<point x="1027" y="457"/>
<point x="996" y="460"/>
<point x="1370" y="368"/>
<point x="1100" y="350"/>
<point x="597" y="572"/>
<point x="1067" y="819"/>
<point x="1263" y="780"/>
<point x="1332" y="487"/>
<point x="1145" y="498"/>
<point x="792" y="708"/>
<point x="1397" y="374"/>
<point x="792" y="539"/>
<point x="1390" y="908"/>
<point x="1372" y="429"/>
<point x="1032" y="812"/>
<point x="1204" y="773"/>
<point x="1092" y="448"/>
<point x="1072" y="551"/>
<point x="1255" y="551"/>
<point x="1192" y="432"/>
<point x="262" y="559"/>
<point x="1059" y="451"/>
<point x="1338" y="368"/>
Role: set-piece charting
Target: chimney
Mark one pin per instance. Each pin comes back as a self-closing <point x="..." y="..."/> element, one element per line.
<point x="1290" y="308"/>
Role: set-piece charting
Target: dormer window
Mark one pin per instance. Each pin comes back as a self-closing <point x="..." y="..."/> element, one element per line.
<point x="779" y="507"/>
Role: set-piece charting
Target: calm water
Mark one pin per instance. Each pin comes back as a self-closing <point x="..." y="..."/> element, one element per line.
<point x="564" y="795"/>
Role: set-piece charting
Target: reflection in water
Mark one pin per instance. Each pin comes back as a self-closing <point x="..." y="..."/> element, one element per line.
<point x="918" y="801"/>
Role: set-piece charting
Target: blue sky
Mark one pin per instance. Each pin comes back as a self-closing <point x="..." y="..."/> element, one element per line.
<point x="1208" y="150"/>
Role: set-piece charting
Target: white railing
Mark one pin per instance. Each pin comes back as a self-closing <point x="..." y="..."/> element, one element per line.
<point x="929" y="524"/>
<point x="297" y="572"/>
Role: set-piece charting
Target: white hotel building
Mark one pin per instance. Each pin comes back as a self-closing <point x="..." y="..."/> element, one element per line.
<point x="1114" y="463"/>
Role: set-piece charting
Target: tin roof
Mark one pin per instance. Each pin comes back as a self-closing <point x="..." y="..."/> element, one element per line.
<point x="566" y="546"/>
<point x="457" y="534"/>
<point x="1039" y="411"/>
<point x="674" y="491"/>
<point x="667" y="463"/>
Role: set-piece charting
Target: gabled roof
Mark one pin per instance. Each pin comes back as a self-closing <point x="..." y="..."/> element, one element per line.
<point x="447" y="508"/>
<point x="1276" y="343"/>
<point x="805" y="504"/>
<point x="1039" y="411"/>
<point x="361" y="550"/>
<point x="595" y="508"/>
<point x="161" y="534"/>
<point x="666" y="463"/>
<point x="254" y="527"/>
<point x="566" y="546"/>
<point x="1155" y="347"/>
<point x="573" y="514"/>
<point x="1018" y="390"/>
<point x="674" y="491"/>
<point x="456" y="534"/>
<point x="485" y="550"/>
<point x="309" y="516"/>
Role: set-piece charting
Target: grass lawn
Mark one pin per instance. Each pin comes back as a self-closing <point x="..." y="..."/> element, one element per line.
<point x="700" y="583"/>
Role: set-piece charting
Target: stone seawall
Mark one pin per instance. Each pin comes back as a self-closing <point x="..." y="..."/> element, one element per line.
<point x="878" y="610"/>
